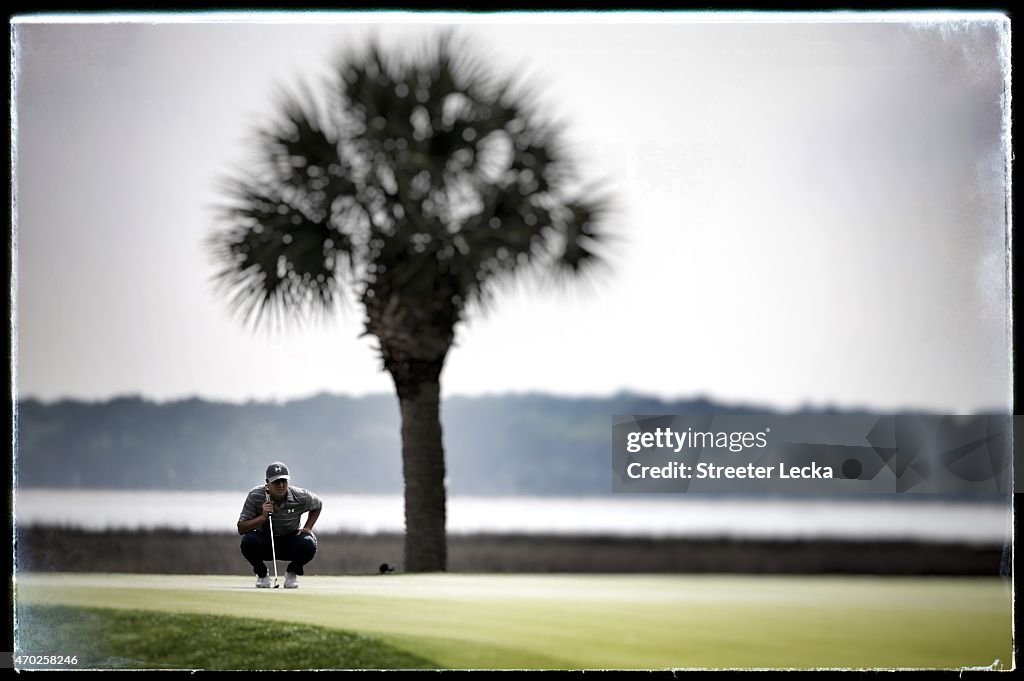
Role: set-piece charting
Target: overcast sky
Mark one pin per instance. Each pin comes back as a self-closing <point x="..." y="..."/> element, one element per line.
<point x="810" y="211"/>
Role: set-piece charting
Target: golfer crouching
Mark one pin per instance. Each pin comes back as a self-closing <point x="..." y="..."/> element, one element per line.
<point x="269" y="525"/>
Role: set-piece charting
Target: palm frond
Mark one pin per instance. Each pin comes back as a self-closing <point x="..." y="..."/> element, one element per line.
<point x="276" y="259"/>
<point x="419" y="176"/>
<point x="300" y="152"/>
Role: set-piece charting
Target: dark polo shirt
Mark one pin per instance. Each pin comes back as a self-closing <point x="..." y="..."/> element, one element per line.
<point x="288" y="515"/>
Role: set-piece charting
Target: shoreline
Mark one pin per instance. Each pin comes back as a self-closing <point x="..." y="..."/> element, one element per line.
<point x="59" y="549"/>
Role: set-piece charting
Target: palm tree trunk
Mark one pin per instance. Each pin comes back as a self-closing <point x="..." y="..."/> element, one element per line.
<point x="424" y="471"/>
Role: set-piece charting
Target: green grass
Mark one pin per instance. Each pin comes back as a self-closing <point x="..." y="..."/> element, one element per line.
<point x="599" y="621"/>
<point x="104" y="638"/>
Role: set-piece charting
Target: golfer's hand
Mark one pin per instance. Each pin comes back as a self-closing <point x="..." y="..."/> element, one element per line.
<point x="268" y="507"/>
<point x="307" y="531"/>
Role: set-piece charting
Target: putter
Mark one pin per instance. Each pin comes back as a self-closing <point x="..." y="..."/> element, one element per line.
<point x="273" y="553"/>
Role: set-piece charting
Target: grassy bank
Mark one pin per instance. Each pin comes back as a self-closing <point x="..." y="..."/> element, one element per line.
<point x="50" y="549"/>
<point x="103" y="638"/>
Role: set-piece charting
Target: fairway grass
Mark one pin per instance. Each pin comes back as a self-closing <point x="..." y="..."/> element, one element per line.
<point x="598" y="621"/>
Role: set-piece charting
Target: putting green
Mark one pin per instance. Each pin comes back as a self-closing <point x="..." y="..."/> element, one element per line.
<point x="605" y="621"/>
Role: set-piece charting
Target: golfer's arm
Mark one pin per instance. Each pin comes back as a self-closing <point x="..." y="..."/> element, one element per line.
<point x="250" y="525"/>
<point x="311" y="518"/>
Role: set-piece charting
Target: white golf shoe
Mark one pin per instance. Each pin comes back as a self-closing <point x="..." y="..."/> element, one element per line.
<point x="291" y="581"/>
<point x="263" y="582"/>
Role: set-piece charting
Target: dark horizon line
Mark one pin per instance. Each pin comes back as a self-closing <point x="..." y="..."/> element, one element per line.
<point x="700" y="398"/>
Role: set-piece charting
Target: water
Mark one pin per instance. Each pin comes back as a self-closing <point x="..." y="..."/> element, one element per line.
<point x="981" y="523"/>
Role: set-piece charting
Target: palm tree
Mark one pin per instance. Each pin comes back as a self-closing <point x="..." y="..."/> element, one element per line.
<point x="418" y="184"/>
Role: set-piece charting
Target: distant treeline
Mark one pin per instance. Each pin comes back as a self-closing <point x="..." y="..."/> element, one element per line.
<point x="509" y="445"/>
